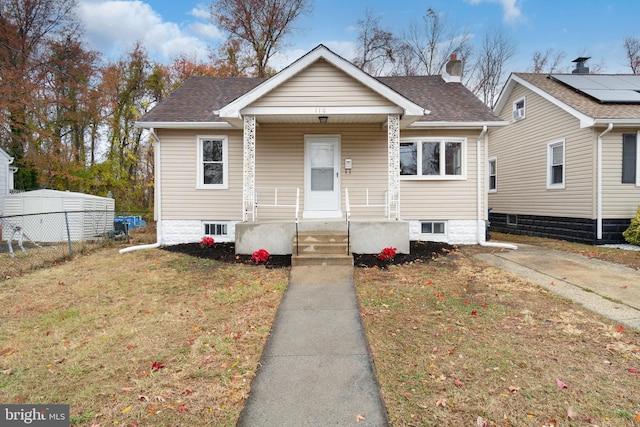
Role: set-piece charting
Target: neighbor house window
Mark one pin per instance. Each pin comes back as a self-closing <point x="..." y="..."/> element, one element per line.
<point x="432" y="158"/>
<point x="215" y="229"/>
<point x="512" y="219"/>
<point x="555" y="161"/>
<point x="493" y="174"/>
<point x="518" y="109"/>
<point x="630" y="162"/>
<point x="432" y="227"/>
<point x="212" y="162"/>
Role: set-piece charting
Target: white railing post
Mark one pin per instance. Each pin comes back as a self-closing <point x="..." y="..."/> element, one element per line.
<point x="393" y="145"/>
<point x="249" y="167"/>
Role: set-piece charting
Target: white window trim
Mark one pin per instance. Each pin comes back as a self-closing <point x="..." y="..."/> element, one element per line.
<point x="442" y="141"/>
<point x="434" y="222"/>
<point x="225" y="163"/>
<point x="550" y="146"/>
<point x="226" y="224"/>
<point x="492" y="190"/>
<point x="519" y="113"/>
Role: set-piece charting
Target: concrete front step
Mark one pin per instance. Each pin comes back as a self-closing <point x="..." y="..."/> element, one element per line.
<point x="321" y="259"/>
<point x="321" y="248"/>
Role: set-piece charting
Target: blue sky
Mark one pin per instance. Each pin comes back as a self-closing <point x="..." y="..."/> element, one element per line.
<point x="167" y="28"/>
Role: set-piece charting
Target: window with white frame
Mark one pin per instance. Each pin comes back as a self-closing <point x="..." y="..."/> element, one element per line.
<point x="519" y="109"/>
<point x="555" y="164"/>
<point x="493" y="174"/>
<point x="432" y="227"/>
<point x="432" y="158"/>
<point x="214" y="229"/>
<point x="212" y="162"/>
<point x="630" y="159"/>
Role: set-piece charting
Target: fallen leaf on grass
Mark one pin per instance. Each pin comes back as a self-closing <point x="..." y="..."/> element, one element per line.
<point x="561" y="384"/>
<point x="442" y="402"/>
<point x="638" y="417"/>
<point x="457" y="383"/>
<point x="157" y="366"/>
<point x="514" y="389"/>
<point x="619" y="329"/>
<point x="480" y="422"/>
<point x="571" y="414"/>
<point x="359" y="418"/>
<point x="551" y="423"/>
<point x="634" y="370"/>
<point x="127" y="409"/>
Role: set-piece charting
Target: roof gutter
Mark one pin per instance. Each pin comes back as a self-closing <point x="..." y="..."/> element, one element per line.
<point x="599" y="183"/>
<point x="157" y="204"/>
<point x="457" y="125"/>
<point x="183" y="125"/>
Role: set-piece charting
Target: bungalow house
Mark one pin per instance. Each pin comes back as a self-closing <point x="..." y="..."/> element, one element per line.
<point x="321" y="144"/>
<point x="567" y="166"/>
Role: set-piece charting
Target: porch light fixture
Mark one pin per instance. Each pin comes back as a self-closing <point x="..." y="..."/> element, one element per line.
<point x="323" y="119"/>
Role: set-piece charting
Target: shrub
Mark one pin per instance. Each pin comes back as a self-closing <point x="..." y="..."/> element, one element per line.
<point x="206" y="242"/>
<point x="632" y="234"/>
<point x="261" y="255"/>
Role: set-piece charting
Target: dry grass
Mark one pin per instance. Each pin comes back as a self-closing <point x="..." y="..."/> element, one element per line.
<point x="150" y="337"/>
<point x="455" y="340"/>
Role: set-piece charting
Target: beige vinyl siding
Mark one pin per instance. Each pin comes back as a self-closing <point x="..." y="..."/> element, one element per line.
<point x="521" y="152"/>
<point x="180" y="198"/>
<point x="321" y="84"/>
<point x="618" y="200"/>
<point x="442" y="199"/>
<point x="280" y="164"/>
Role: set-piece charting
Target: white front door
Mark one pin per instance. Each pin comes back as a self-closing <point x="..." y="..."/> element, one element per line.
<point x="322" y="176"/>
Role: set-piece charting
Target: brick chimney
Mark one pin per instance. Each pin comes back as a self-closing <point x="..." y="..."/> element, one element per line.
<point x="453" y="70"/>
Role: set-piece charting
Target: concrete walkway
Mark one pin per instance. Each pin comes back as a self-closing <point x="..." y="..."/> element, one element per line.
<point x="608" y="289"/>
<point x="316" y="369"/>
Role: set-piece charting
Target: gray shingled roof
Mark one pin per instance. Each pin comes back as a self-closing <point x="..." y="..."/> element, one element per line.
<point x="198" y="97"/>
<point x="580" y="101"/>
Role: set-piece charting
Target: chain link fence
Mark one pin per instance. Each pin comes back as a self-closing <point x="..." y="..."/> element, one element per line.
<point x="37" y="240"/>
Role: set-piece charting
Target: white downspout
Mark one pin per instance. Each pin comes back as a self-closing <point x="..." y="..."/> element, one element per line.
<point x="599" y="185"/>
<point x="157" y="201"/>
<point x="481" y="190"/>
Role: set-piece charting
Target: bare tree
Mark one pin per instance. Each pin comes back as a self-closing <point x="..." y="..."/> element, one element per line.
<point x="376" y="45"/>
<point x="632" y="50"/>
<point x="433" y="42"/>
<point x="262" y="24"/>
<point x="548" y="61"/>
<point x="490" y="66"/>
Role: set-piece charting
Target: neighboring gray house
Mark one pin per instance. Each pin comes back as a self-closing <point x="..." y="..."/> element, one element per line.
<point x="319" y="143"/>
<point x="568" y="164"/>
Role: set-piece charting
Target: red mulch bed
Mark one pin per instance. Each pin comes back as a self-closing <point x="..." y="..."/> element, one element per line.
<point x="225" y="252"/>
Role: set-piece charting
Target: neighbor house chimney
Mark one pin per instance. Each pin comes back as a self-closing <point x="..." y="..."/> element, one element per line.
<point x="580" y="67"/>
<point x="453" y="70"/>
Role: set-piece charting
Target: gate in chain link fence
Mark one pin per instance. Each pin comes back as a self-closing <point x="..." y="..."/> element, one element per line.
<point x="35" y="240"/>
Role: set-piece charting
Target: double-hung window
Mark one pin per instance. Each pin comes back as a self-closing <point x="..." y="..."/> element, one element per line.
<point x="432" y="158"/>
<point x="630" y="160"/>
<point x="493" y="175"/>
<point x="519" y="109"/>
<point x="555" y="164"/>
<point x="212" y="162"/>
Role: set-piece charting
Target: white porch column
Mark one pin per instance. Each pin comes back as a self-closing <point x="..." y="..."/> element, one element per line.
<point x="393" y="146"/>
<point x="249" y="167"/>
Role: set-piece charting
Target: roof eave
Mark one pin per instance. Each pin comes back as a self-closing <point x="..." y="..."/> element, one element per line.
<point x="616" y="122"/>
<point x="457" y="125"/>
<point x="184" y="125"/>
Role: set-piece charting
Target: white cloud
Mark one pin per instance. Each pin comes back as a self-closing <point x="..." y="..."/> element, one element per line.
<point x="200" y="12"/>
<point x="511" y="9"/>
<point x="114" y="26"/>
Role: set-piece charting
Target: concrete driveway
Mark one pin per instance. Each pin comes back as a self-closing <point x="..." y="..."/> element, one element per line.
<point x="608" y="289"/>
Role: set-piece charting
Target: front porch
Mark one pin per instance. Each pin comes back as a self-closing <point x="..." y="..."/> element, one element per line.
<point x="365" y="236"/>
